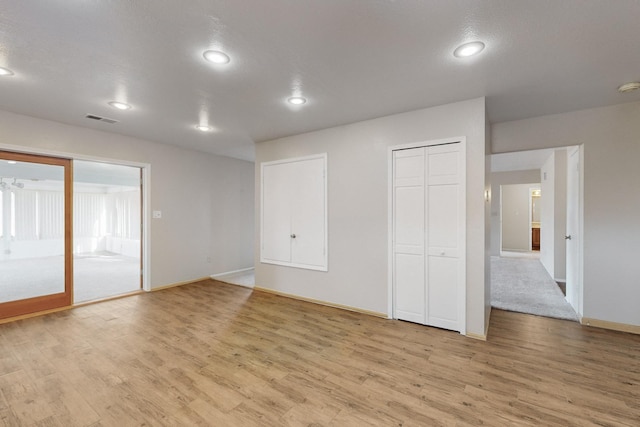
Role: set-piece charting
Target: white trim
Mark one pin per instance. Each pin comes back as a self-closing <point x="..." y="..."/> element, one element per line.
<point x="230" y="275"/>
<point x="325" y="261"/>
<point x="146" y="194"/>
<point x="146" y="229"/>
<point x="462" y="297"/>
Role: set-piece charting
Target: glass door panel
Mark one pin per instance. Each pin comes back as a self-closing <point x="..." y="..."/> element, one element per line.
<point x="35" y="216"/>
<point x="107" y="230"/>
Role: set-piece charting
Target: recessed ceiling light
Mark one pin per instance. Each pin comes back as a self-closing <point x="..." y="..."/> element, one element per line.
<point x="204" y="128"/>
<point x="629" y="87"/>
<point x="216" y="57"/>
<point x="120" y="105"/>
<point x="5" y="72"/>
<point x="297" y="100"/>
<point x="468" y="49"/>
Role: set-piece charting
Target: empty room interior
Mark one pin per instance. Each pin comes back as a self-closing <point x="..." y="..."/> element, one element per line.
<point x="321" y="213"/>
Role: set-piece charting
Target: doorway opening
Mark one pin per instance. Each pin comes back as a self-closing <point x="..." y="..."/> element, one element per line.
<point x="530" y="266"/>
<point x="107" y="230"/>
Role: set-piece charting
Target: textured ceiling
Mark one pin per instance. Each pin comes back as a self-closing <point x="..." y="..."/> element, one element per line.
<point x="352" y="59"/>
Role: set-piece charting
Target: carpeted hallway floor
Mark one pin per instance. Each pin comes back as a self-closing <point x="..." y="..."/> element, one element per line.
<point x="523" y="285"/>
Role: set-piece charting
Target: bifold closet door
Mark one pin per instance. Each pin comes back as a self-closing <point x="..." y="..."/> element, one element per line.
<point x="428" y="235"/>
<point x="445" y="224"/>
<point x="409" y="242"/>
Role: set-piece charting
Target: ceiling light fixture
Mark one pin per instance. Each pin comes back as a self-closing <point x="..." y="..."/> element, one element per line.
<point x="216" y="57"/>
<point x="204" y="128"/>
<point x="5" y="72"/>
<point x="11" y="162"/>
<point x="629" y="87"/>
<point x="296" y="100"/>
<point x="120" y="105"/>
<point x="468" y="49"/>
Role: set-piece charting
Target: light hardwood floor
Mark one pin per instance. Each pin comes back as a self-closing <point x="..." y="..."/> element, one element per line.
<point x="221" y="355"/>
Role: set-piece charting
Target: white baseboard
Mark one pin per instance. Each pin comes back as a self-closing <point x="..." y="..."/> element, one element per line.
<point x="321" y="302"/>
<point x="231" y="273"/>
<point x="228" y="276"/>
<point x="614" y="326"/>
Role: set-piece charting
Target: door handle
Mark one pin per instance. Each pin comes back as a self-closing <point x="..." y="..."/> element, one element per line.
<point x="293" y="236"/>
<point x="567" y="237"/>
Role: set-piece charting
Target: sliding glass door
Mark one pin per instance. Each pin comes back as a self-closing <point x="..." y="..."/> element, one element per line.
<point x="35" y="233"/>
<point x="107" y="229"/>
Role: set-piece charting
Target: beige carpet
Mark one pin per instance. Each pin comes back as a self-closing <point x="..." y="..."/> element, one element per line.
<point x="523" y="285"/>
<point x="96" y="276"/>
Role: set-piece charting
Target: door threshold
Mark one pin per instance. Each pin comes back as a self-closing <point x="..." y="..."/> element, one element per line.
<point x="69" y="307"/>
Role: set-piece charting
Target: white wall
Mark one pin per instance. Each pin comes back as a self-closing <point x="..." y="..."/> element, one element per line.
<point x="357" y="201"/>
<point x="516" y="220"/>
<point x="547" y="214"/>
<point x="497" y="180"/>
<point x="611" y="138"/>
<point x="206" y="200"/>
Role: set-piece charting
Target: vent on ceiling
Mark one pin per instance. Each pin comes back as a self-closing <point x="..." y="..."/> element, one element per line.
<point x="100" y="119"/>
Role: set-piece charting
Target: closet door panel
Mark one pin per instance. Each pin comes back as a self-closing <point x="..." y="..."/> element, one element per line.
<point x="276" y="213"/>
<point x="409" y="278"/>
<point x="308" y="220"/>
<point x="408" y="223"/>
<point x="444" y="231"/>
<point x="443" y="292"/>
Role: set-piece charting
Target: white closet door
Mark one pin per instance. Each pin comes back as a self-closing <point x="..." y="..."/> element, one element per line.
<point x="277" y="187"/>
<point x="294" y="212"/>
<point x="428" y="235"/>
<point x="444" y="237"/>
<point x="408" y="244"/>
<point x="308" y="248"/>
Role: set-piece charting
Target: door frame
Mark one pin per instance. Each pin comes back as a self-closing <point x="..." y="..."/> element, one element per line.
<point x="58" y="300"/>
<point x="462" y="291"/>
<point x="145" y="241"/>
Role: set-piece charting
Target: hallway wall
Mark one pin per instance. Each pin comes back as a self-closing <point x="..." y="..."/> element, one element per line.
<point x="611" y="198"/>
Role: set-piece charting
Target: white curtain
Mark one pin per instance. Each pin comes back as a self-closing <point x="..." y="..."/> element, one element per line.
<point x="25" y="215"/>
<point x="89" y="216"/>
<point x="50" y="214"/>
<point x="124" y="214"/>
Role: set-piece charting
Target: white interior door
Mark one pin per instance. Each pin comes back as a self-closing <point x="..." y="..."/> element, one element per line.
<point x="428" y="246"/>
<point x="444" y="237"/>
<point x="409" y="240"/>
<point x="573" y="238"/>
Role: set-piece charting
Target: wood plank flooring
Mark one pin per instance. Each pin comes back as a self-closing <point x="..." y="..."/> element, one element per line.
<point x="212" y="354"/>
